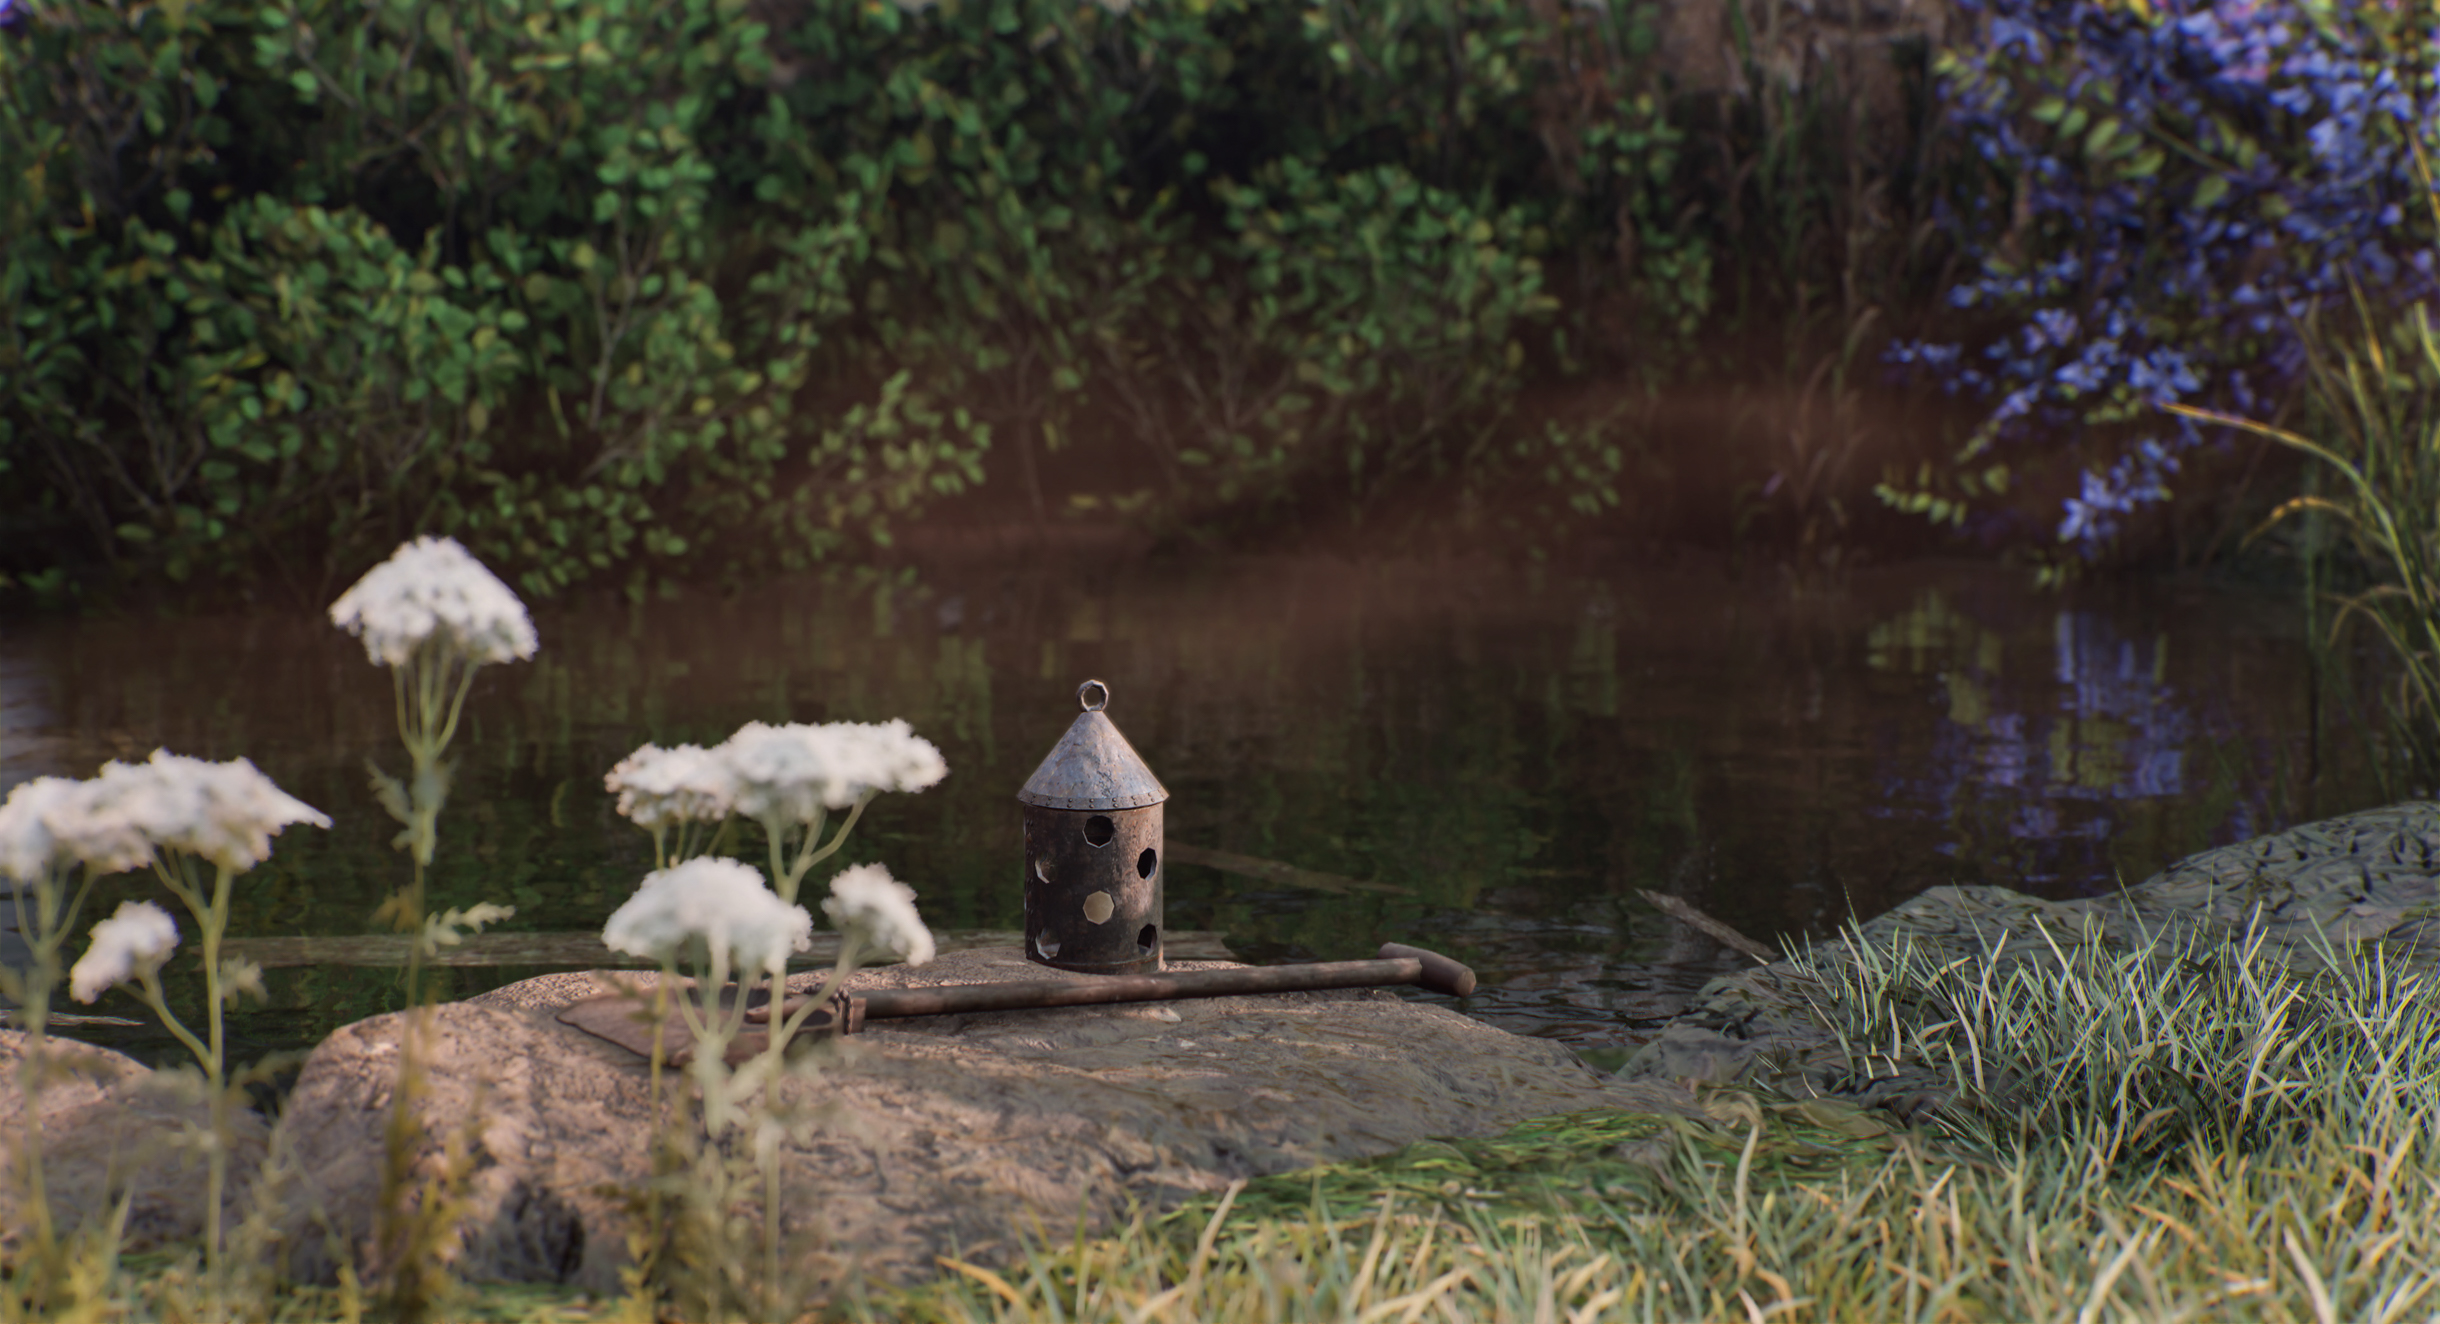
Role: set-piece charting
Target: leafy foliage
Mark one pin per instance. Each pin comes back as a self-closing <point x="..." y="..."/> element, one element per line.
<point x="2160" y="195"/>
<point x="605" y="288"/>
<point x="341" y="271"/>
<point x="616" y="291"/>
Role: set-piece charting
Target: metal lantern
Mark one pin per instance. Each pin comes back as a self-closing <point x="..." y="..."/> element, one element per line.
<point x="1093" y="850"/>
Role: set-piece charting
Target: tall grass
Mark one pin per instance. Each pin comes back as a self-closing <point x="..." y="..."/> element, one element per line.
<point x="2376" y="398"/>
<point x="2136" y="1051"/>
<point x="2171" y="1131"/>
<point x="2373" y="384"/>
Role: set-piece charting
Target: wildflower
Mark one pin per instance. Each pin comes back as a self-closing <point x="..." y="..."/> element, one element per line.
<point x="659" y="788"/>
<point x="2050" y="326"/>
<point x="796" y="772"/>
<point x="709" y="905"/>
<point x="781" y="772"/>
<point x="226" y="813"/>
<point x="2301" y="189"/>
<point x="431" y="589"/>
<point x="88" y="823"/>
<point x="883" y="756"/>
<point x="129" y="945"/>
<point x="28" y="848"/>
<point x="867" y="901"/>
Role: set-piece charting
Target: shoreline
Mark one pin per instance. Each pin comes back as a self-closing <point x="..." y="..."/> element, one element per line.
<point x="2368" y="877"/>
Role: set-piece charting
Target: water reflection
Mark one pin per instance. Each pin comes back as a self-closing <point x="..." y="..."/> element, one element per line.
<point x="2064" y="761"/>
<point x="1517" y="751"/>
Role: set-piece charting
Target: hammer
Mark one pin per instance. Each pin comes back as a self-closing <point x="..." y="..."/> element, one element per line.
<point x="1396" y="964"/>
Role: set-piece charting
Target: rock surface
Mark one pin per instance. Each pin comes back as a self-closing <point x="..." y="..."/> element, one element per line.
<point x="958" y="1135"/>
<point x="112" y="1127"/>
<point x="940" y="1136"/>
<point x="2371" y="877"/>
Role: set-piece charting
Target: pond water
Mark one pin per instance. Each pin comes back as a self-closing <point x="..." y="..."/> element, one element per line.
<point x="1515" y="751"/>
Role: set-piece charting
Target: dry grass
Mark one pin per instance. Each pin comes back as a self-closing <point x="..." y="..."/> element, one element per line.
<point x="2286" y="1178"/>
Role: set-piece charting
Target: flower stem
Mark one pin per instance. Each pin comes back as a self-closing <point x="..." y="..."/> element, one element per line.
<point x="808" y="856"/>
<point x="216" y="1162"/>
<point x="783" y="1030"/>
<point x="775" y="832"/>
<point x="457" y="698"/>
<point x="438" y="680"/>
<point x="50" y="924"/>
<point x="151" y="984"/>
<point x="176" y="869"/>
<point x="851" y="945"/>
<point x="770" y="1167"/>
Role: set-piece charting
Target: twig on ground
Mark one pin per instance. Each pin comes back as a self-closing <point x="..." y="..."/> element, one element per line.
<point x="1677" y="908"/>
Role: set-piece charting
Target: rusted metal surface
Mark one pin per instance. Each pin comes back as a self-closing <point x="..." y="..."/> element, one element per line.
<point x="1092" y="768"/>
<point x="1093" y="868"/>
<point x="1094" y="890"/>
<point x="625" y="1018"/>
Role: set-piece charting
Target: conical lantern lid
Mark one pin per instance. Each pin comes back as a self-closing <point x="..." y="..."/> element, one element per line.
<point x="1093" y="766"/>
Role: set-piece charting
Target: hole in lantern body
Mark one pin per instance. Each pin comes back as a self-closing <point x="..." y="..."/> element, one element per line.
<point x="1148" y="939"/>
<point x="1047" y="945"/>
<point x="1099" y="829"/>
<point x="1098" y="907"/>
<point x="1146" y="863"/>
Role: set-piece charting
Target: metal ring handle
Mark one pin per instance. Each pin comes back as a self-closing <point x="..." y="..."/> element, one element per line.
<point x="1087" y="688"/>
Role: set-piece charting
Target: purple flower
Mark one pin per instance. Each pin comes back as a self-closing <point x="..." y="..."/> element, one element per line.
<point x="2160" y="153"/>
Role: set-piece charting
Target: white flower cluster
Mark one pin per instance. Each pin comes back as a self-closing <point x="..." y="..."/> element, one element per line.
<point x="223" y="812"/>
<point x="789" y="773"/>
<point x="133" y="942"/>
<point x="867" y="900"/>
<point x="433" y="588"/>
<point x="711" y="905"/>
<point x="781" y="772"/>
<point x="878" y="756"/>
<point x="27" y="845"/>
<point x="660" y="788"/>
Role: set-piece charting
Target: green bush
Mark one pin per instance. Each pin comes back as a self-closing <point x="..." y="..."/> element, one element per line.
<point x="619" y="290"/>
<point x="458" y="268"/>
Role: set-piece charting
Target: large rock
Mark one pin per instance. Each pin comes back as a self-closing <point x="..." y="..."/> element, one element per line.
<point x="947" y="1135"/>
<point x="2365" y="878"/>
<point x="112" y="1128"/>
